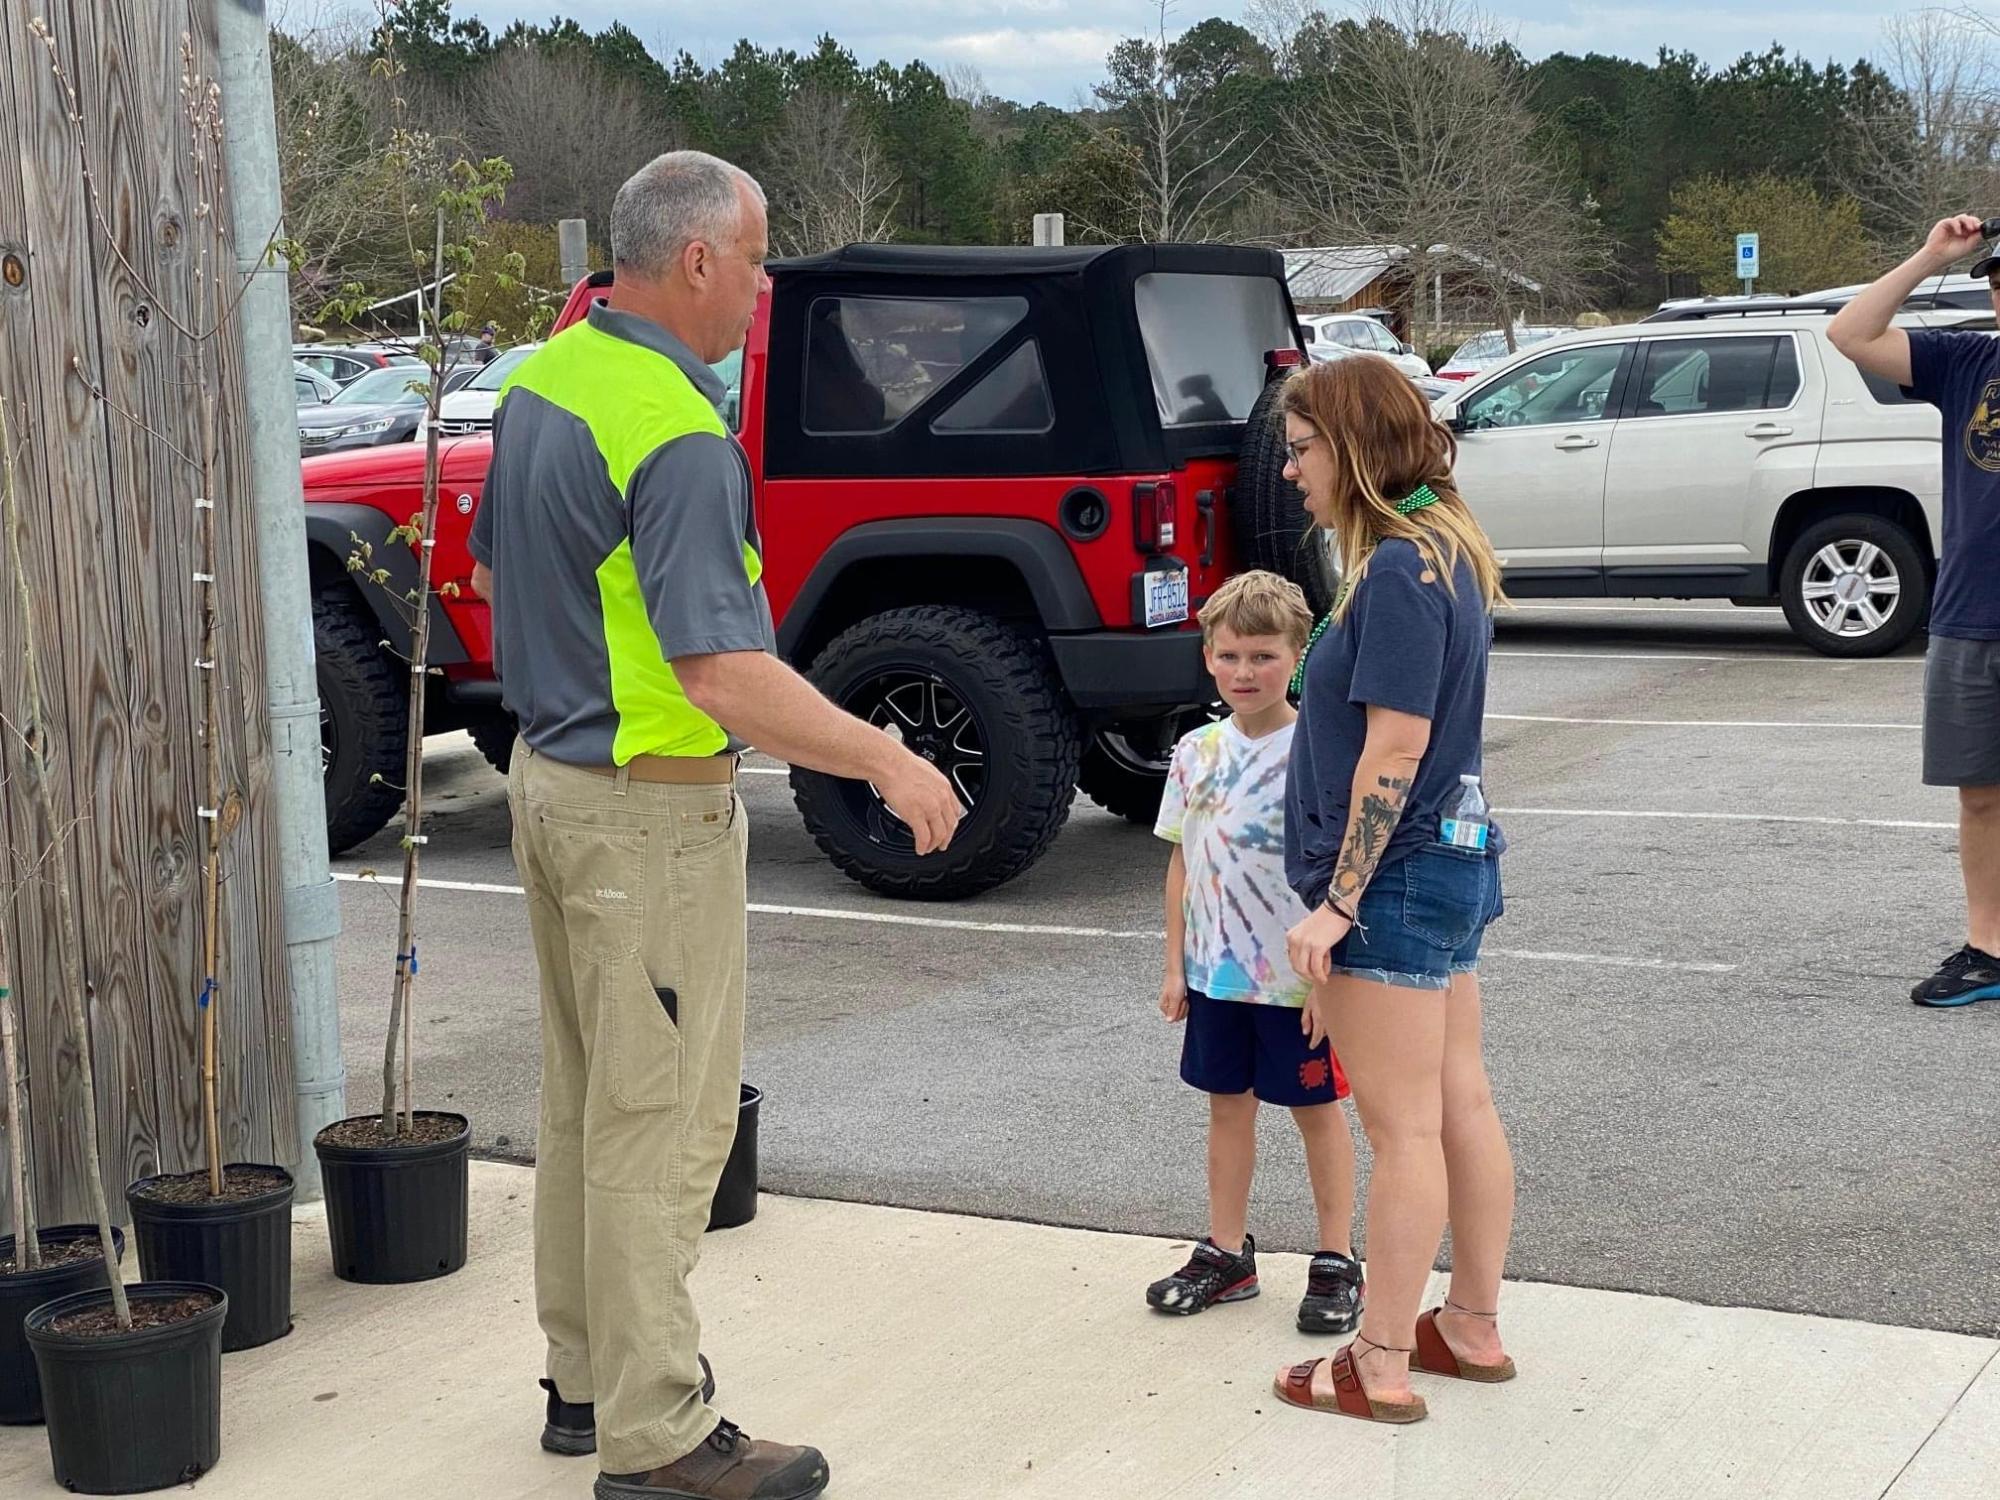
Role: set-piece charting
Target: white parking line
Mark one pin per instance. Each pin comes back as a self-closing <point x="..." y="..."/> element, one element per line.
<point x="1047" y="929"/>
<point x="1722" y="817"/>
<point x="1697" y="723"/>
<point x="1743" y="657"/>
<point x="1514" y="607"/>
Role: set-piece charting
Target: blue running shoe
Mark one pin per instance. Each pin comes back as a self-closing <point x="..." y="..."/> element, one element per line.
<point x="1967" y="976"/>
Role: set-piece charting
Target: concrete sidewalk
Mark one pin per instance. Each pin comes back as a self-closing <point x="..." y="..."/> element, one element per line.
<point x="950" y="1358"/>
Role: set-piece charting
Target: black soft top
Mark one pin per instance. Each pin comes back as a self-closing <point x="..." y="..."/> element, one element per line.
<point x="1035" y="260"/>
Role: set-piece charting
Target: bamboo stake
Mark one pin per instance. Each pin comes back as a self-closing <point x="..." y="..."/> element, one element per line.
<point x="73" y="981"/>
<point x="402" y="1006"/>
<point x="205" y="127"/>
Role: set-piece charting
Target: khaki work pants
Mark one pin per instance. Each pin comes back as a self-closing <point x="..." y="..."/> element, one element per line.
<point x="636" y="898"/>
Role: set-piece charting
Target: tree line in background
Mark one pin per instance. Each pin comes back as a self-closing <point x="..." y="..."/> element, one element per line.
<point x="1603" y="181"/>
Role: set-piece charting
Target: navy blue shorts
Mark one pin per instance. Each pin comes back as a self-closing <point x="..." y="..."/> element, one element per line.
<point x="1238" y="1047"/>
<point x="1422" y="918"/>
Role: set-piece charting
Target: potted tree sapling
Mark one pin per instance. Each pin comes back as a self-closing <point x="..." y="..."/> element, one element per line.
<point x="230" y="1223"/>
<point x="396" y="1181"/>
<point x="130" y="1379"/>
<point x="37" y="1264"/>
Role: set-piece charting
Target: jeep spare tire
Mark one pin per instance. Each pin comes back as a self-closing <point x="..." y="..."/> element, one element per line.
<point x="979" y="701"/>
<point x="1268" y="515"/>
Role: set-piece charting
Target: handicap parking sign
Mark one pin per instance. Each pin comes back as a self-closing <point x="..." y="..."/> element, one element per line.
<point x="1746" y="257"/>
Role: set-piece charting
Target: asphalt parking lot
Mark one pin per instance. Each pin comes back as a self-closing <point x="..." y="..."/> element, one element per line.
<point x="1724" y="876"/>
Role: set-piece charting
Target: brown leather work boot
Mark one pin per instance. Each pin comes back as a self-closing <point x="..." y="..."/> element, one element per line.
<point x="726" y="1466"/>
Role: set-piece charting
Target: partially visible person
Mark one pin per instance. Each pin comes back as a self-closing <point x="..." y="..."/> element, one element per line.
<point x="486" y="350"/>
<point x="1227" y="975"/>
<point x="1399" y="869"/>
<point x="632" y="637"/>
<point x="1959" y="373"/>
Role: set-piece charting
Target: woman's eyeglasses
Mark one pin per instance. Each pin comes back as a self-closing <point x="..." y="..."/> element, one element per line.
<point x="1298" y="449"/>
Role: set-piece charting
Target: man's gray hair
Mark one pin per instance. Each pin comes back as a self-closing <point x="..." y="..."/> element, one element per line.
<point x="675" y="198"/>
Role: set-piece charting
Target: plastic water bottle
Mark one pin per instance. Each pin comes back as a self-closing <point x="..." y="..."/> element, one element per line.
<point x="1464" y="823"/>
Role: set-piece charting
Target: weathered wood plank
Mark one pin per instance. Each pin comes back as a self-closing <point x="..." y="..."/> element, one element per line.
<point x="110" y="506"/>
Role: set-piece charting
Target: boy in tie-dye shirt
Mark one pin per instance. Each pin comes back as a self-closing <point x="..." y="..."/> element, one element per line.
<point x="1227" y="975"/>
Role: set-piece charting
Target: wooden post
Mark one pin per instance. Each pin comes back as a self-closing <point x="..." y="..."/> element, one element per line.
<point x="92" y="305"/>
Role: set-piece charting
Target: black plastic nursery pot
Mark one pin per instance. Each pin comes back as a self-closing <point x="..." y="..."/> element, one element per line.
<point x="135" y="1409"/>
<point x="20" y="1388"/>
<point x="241" y="1244"/>
<point x="736" y="1190"/>
<point x="396" y="1212"/>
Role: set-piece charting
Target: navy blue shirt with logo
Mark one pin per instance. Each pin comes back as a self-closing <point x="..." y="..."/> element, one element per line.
<point x="1405" y="644"/>
<point x="1959" y="374"/>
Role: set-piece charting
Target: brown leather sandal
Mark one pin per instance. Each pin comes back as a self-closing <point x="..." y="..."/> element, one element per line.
<point x="1350" y="1398"/>
<point x="1434" y="1357"/>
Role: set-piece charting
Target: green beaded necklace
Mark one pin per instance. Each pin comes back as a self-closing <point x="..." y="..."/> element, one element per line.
<point x="1416" y="500"/>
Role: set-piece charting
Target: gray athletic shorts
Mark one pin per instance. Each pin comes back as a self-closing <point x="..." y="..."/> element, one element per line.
<point x="1962" y="713"/>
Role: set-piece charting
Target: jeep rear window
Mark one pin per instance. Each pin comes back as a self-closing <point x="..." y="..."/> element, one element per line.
<point x="870" y="361"/>
<point x="1205" y="338"/>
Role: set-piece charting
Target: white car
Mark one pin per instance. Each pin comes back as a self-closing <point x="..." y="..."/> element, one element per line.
<point x="1483" y="351"/>
<point x="1738" y="456"/>
<point x="469" y="409"/>
<point x="1337" y="335"/>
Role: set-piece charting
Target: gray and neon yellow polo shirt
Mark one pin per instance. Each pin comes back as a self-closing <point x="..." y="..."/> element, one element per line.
<point x="618" y="525"/>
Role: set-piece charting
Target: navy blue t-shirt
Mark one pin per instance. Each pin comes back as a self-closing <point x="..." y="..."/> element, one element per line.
<point x="1419" y="648"/>
<point x="1959" y="374"/>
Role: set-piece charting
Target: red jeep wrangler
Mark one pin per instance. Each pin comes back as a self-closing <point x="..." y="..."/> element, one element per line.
<point x="993" y="486"/>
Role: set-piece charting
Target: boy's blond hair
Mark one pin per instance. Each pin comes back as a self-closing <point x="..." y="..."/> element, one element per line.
<point x="1258" y="603"/>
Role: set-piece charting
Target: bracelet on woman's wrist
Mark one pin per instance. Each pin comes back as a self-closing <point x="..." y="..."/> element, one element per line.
<point x="1340" y="911"/>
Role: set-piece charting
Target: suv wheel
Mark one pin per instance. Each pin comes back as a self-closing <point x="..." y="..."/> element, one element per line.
<point x="1125" y="768"/>
<point x="364" y="719"/>
<point x="1855" y="586"/>
<point x="983" y="704"/>
<point x="494" y="735"/>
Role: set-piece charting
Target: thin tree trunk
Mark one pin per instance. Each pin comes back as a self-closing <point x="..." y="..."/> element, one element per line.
<point x="401" y="1021"/>
<point x="212" y="811"/>
<point x="73" y="982"/>
<point x="27" y="1241"/>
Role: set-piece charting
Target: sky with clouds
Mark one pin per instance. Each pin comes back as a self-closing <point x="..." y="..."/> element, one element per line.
<point x="1052" y="49"/>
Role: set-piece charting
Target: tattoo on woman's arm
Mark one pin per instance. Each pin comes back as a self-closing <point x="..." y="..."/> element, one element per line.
<point x="1368" y="830"/>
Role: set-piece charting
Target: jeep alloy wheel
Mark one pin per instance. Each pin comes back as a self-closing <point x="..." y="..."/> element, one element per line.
<point x="1854" y="586"/>
<point x="982" y="703"/>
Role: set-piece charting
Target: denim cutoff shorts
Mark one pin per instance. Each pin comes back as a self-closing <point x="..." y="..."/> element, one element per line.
<point x="1423" y="917"/>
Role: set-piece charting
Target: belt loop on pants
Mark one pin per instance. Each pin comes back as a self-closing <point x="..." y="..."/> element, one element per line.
<point x="621" y="779"/>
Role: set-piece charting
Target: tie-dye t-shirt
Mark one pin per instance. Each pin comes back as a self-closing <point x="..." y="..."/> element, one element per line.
<point x="1225" y="806"/>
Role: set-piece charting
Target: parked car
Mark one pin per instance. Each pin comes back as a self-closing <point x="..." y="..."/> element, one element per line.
<point x="1738" y="457"/>
<point x="1938" y="293"/>
<point x="1337" y="335"/>
<point x="343" y="363"/>
<point x="381" y="407"/>
<point x="993" y="486"/>
<point x="1485" y="350"/>
<point x="310" y="387"/>
<point x="469" y="409"/>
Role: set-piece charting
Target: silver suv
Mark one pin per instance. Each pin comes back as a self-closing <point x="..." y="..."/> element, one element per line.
<point x="1738" y="456"/>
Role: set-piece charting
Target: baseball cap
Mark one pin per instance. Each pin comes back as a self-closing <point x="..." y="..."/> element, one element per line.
<point x="1987" y="264"/>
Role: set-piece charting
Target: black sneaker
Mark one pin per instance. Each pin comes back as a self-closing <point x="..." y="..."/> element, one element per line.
<point x="571" y="1428"/>
<point x="1333" y="1295"/>
<point x="1211" y="1275"/>
<point x="1966" y="976"/>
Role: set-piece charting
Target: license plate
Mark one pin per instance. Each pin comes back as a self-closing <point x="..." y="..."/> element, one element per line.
<point x="1166" y="597"/>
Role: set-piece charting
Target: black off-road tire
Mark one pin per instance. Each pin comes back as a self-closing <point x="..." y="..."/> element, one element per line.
<point x="1899" y="554"/>
<point x="1025" y="724"/>
<point x="364" y="718"/>
<point x="1272" y="529"/>
<point x="494" y="734"/>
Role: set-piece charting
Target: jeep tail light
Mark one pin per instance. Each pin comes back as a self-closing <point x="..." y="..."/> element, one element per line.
<point x="1283" y="359"/>
<point x="1153" y="516"/>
